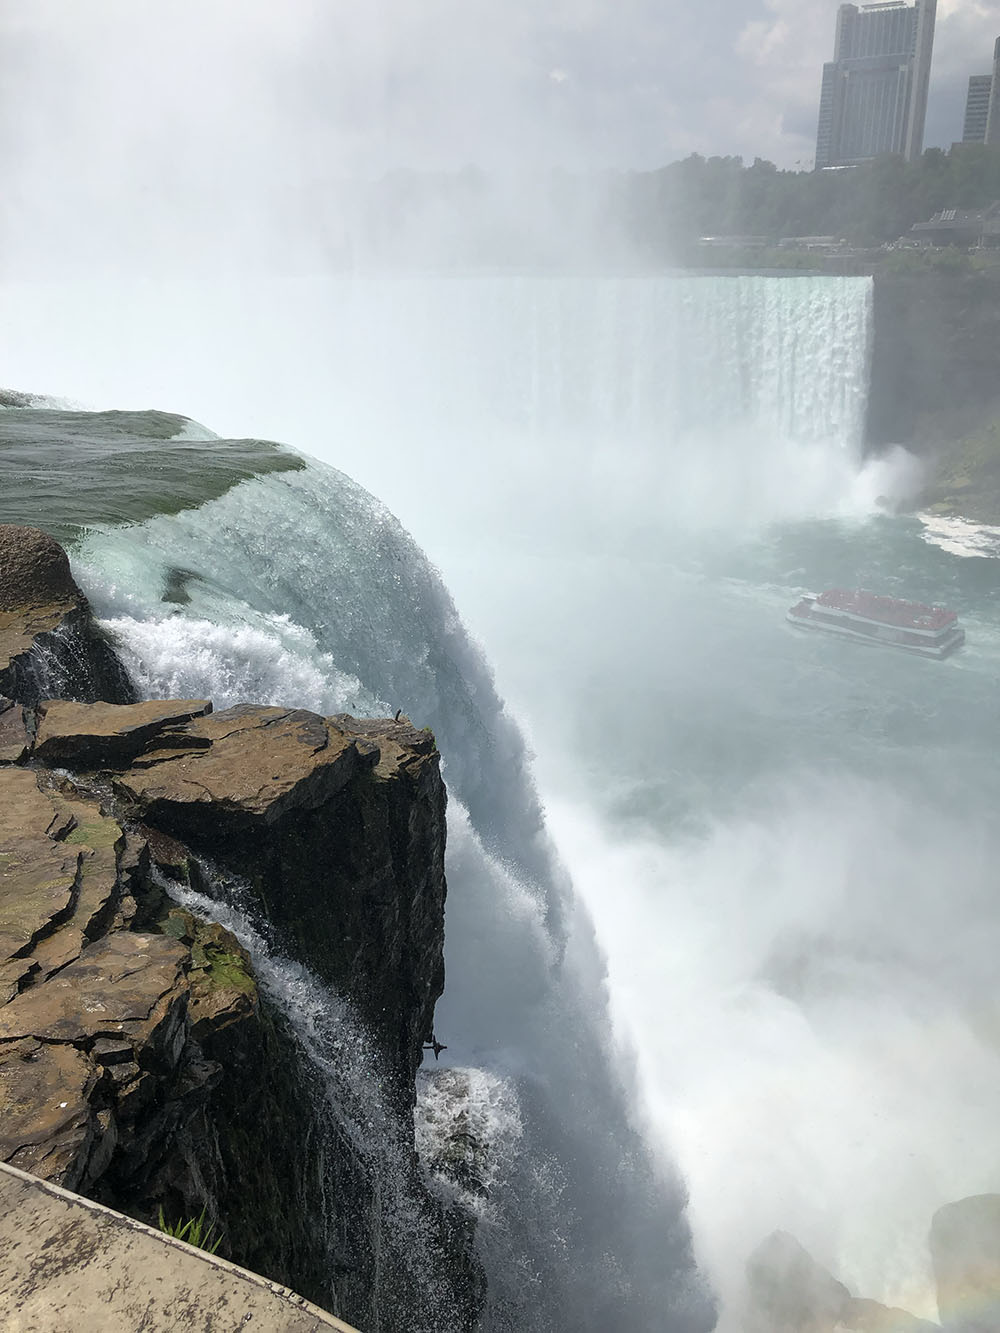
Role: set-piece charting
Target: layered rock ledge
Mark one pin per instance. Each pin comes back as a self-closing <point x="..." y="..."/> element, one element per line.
<point x="141" y="1063"/>
<point x="116" y="1004"/>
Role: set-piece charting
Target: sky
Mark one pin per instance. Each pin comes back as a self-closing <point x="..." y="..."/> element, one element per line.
<point x="310" y="86"/>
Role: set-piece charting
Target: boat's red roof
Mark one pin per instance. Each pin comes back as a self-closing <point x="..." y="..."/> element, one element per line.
<point x="888" y="610"/>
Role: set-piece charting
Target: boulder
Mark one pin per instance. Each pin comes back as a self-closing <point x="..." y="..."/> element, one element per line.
<point x="34" y="570"/>
<point x="49" y="642"/>
<point x="965" y="1250"/>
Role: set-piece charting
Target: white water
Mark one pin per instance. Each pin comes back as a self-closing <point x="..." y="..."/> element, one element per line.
<point x="353" y="1097"/>
<point x="579" y="1224"/>
<point x="625" y="482"/>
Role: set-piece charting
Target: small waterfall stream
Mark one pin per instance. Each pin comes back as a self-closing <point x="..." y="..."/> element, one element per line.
<point x="341" y="1066"/>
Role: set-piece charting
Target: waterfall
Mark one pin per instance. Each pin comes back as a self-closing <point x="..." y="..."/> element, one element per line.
<point x="301" y="587"/>
<point x="574" y="453"/>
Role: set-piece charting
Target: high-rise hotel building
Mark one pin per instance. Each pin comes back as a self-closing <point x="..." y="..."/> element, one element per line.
<point x="982" y="107"/>
<point x="874" y="97"/>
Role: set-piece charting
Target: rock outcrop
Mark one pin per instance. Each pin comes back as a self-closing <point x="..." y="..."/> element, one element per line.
<point x="49" y="643"/>
<point x="965" y="1249"/>
<point x="789" y="1292"/>
<point x="140" y="1061"/>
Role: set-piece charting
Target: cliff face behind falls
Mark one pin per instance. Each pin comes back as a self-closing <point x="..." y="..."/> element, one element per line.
<point x="144" y="1060"/>
<point x="935" y="384"/>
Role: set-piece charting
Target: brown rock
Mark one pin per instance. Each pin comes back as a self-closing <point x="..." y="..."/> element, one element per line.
<point x="44" y="1106"/>
<point x="34" y="570"/>
<point x="59" y="880"/>
<point x="38" y="596"/>
<point x="12" y="975"/>
<point x="257" y="765"/>
<point x="38" y="877"/>
<point x="116" y="988"/>
<point x="52" y="953"/>
<point x="86" y="737"/>
<point x="14" y="739"/>
<point x="49" y="643"/>
<point x="79" y="822"/>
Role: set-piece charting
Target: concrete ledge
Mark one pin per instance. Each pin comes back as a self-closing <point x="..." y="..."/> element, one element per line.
<point x="67" y="1263"/>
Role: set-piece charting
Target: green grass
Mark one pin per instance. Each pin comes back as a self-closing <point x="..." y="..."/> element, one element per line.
<point x="192" y="1231"/>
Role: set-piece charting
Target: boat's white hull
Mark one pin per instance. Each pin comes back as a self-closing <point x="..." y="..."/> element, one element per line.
<point x="936" y="649"/>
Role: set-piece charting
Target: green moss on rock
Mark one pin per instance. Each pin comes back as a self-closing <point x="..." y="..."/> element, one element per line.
<point x="97" y="834"/>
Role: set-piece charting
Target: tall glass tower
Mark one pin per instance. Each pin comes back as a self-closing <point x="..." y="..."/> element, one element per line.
<point x="982" y="107"/>
<point x="874" y="97"/>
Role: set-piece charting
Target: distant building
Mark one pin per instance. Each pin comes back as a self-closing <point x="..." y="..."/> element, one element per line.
<point x="977" y="108"/>
<point x="874" y="95"/>
<point x="982" y="106"/>
<point x="993" y="120"/>
<point x="964" y="227"/>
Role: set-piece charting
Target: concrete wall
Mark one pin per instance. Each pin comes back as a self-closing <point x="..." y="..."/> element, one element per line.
<point x="68" y="1265"/>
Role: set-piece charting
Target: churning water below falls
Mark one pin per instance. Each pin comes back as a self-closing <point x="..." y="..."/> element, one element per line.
<point x="757" y="932"/>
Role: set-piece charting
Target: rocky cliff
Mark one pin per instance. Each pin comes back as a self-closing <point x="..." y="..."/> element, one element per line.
<point x="935" y="384"/>
<point x="141" y="1060"/>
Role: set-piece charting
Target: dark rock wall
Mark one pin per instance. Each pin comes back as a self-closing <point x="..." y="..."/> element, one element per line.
<point x="936" y="358"/>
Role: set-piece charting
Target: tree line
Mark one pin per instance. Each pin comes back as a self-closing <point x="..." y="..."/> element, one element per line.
<point x="868" y="205"/>
<point x="560" y="218"/>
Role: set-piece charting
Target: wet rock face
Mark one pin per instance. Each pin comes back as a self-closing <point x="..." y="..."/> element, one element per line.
<point x="338" y="826"/>
<point x="49" y="643"/>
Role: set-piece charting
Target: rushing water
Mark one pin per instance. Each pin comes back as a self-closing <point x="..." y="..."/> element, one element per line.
<point x="785" y="843"/>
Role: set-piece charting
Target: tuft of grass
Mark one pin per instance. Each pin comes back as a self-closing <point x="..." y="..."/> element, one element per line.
<point x="193" y="1231"/>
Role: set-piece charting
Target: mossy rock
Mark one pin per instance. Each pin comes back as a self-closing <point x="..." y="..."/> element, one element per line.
<point x="97" y="834"/>
<point x="219" y="963"/>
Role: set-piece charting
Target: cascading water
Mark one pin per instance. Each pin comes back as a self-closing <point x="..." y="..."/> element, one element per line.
<point x="575" y="1225"/>
<point x="343" y="1070"/>
<point x="626" y="481"/>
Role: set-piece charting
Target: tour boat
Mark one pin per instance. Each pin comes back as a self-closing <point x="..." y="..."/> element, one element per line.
<point x="930" y="631"/>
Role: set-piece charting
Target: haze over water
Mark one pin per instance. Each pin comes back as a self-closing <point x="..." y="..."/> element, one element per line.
<point x="785" y="843"/>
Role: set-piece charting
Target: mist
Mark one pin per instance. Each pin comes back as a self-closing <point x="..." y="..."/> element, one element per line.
<point x="625" y="478"/>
